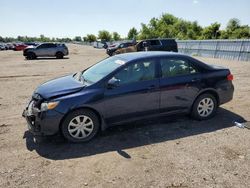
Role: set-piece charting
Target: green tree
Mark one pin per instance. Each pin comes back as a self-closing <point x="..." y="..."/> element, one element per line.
<point x="20" y="38"/>
<point x="2" y="39"/>
<point x="85" y="39"/>
<point x="104" y="35"/>
<point x="116" y="36"/>
<point x="211" y="32"/>
<point x="91" y="38"/>
<point x="234" y="30"/>
<point x="169" y="26"/>
<point x="78" y="38"/>
<point x="196" y="29"/>
<point x="243" y="32"/>
<point x="233" y="24"/>
<point x="145" y="32"/>
<point x="132" y="33"/>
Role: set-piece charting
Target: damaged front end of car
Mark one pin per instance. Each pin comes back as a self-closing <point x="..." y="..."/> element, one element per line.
<point x="40" y="116"/>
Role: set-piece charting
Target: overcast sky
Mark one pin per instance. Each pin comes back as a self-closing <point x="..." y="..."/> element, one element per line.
<point x="69" y="18"/>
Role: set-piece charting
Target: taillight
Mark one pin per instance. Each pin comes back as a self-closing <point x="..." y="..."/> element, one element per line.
<point x="230" y="77"/>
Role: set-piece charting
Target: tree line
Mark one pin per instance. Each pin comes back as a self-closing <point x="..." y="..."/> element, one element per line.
<point x="166" y="26"/>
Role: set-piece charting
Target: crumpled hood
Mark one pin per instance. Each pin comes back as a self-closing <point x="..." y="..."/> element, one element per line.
<point x="59" y="86"/>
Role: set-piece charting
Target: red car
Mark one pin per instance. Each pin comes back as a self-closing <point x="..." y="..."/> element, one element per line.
<point x="20" y="47"/>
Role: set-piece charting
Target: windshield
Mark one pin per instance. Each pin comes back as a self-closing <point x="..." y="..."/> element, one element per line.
<point x="101" y="69"/>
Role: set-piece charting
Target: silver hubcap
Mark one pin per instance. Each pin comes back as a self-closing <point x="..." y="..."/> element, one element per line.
<point x="80" y="127"/>
<point x="205" y="107"/>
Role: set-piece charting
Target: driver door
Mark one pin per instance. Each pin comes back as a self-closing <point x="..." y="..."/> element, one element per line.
<point x="136" y="93"/>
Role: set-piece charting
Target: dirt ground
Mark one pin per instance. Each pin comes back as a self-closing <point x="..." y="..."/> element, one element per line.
<point x="167" y="152"/>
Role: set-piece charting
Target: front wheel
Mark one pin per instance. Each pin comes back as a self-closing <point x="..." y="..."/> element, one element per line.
<point x="80" y="126"/>
<point x="30" y="56"/>
<point x="204" y="107"/>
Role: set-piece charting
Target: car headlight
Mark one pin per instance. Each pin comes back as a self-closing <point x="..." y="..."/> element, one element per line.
<point x="48" y="105"/>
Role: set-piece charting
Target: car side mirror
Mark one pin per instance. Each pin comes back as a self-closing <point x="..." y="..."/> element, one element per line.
<point x="113" y="83"/>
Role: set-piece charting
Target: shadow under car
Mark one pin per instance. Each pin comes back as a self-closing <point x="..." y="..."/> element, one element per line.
<point x="48" y="58"/>
<point x="136" y="134"/>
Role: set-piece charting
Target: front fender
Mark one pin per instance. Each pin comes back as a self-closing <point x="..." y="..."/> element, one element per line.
<point x="91" y="99"/>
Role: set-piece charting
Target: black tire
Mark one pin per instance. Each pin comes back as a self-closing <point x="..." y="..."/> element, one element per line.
<point x="71" y="116"/>
<point x="30" y="56"/>
<point x="197" y="111"/>
<point x="59" y="55"/>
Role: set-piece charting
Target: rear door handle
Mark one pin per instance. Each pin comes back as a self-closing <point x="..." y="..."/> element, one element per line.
<point x="195" y="80"/>
<point x="151" y="87"/>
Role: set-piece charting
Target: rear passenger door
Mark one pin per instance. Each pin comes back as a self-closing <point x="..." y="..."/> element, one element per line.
<point x="50" y="50"/>
<point x="179" y="84"/>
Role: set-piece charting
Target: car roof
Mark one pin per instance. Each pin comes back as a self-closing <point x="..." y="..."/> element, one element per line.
<point x="150" y="54"/>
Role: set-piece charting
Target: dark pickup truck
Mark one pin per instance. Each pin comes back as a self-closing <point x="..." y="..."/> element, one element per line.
<point x="145" y="45"/>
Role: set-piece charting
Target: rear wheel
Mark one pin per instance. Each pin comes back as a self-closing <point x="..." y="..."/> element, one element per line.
<point x="59" y="55"/>
<point x="204" y="107"/>
<point x="80" y="126"/>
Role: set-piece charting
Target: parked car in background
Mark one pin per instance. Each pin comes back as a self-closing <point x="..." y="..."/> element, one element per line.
<point x="19" y="47"/>
<point x="46" y="50"/>
<point x="125" y="88"/>
<point x="157" y="45"/>
<point x="2" y="47"/>
<point x="31" y="43"/>
<point x="112" y="45"/>
<point x="6" y="46"/>
<point x="100" y="44"/>
<point x="149" y="45"/>
<point x="10" y="46"/>
<point x="112" y="50"/>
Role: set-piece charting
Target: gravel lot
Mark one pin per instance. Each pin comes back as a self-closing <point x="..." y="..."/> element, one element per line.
<point x="167" y="152"/>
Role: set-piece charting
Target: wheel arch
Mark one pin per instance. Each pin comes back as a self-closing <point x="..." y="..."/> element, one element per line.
<point x="209" y="91"/>
<point x="30" y="52"/>
<point x="59" y="52"/>
<point x="98" y="114"/>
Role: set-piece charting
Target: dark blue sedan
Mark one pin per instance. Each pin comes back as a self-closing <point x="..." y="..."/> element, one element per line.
<point x="124" y="88"/>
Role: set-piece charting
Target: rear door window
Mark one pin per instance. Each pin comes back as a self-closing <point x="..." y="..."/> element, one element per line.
<point x="176" y="67"/>
<point x="51" y="45"/>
